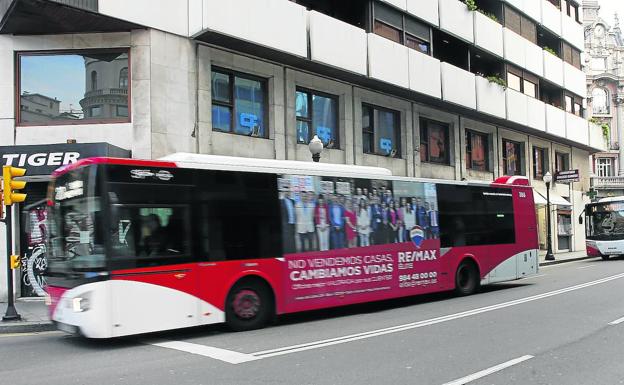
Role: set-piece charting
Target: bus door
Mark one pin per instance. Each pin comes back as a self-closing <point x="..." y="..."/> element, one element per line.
<point x="154" y="281"/>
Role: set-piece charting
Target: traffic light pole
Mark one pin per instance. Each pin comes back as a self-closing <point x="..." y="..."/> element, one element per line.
<point x="11" y="312"/>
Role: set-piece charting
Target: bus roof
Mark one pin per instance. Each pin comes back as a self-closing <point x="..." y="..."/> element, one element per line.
<point x="233" y="163"/>
<point x="609" y="199"/>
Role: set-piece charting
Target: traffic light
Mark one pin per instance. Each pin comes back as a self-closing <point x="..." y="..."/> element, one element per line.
<point x="10" y="186"/>
<point x="15" y="262"/>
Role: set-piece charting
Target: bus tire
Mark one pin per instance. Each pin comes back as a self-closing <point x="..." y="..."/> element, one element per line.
<point x="604" y="257"/>
<point x="467" y="280"/>
<point x="249" y="305"/>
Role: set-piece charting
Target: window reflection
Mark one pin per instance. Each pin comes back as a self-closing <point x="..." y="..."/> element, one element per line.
<point x="61" y="87"/>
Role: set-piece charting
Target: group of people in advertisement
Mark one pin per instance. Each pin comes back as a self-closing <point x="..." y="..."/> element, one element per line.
<point x="320" y="214"/>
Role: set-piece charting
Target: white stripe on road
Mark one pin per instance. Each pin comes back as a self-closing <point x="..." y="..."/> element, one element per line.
<point x="419" y="324"/>
<point x="228" y="356"/>
<point x="534" y="276"/>
<point x="617" y="321"/>
<point x="234" y="357"/>
<point x="586" y="267"/>
<point x="486" y="372"/>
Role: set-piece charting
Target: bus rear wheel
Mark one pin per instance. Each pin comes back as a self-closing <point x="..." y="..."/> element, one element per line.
<point x="604" y="257"/>
<point x="249" y="305"/>
<point x="467" y="278"/>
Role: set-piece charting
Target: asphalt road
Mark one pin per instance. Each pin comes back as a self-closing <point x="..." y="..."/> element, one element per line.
<point x="560" y="327"/>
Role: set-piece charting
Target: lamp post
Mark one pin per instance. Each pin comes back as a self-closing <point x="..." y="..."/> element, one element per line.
<point x="316" y="147"/>
<point x="549" y="253"/>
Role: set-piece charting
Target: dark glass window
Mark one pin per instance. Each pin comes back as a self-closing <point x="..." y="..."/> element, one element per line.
<point x="522" y="81"/>
<point x="238" y="103"/>
<point x="68" y="87"/>
<point x="571" y="55"/>
<point x="540" y="162"/>
<point x="471" y="215"/>
<point x="434" y="142"/>
<point x="520" y="24"/>
<point x="316" y="114"/>
<point x="381" y="131"/>
<point x="512" y="158"/>
<point x="237" y="215"/>
<point x="476" y="151"/>
<point x="562" y="162"/>
<point x="401" y="28"/>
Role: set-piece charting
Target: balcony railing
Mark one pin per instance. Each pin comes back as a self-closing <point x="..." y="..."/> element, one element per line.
<point x="608" y="182"/>
<point x="107" y="91"/>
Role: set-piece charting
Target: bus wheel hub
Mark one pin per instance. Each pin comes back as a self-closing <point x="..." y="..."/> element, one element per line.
<point x="246" y="304"/>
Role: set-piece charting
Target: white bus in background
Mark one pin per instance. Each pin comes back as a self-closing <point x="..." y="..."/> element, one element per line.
<point x="604" y="227"/>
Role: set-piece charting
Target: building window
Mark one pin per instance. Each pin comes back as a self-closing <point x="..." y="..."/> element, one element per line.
<point x="562" y="162"/>
<point x="238" y="103"/>
<point x="381" y="133"/>
<point x="604" y="166"/>
<point x="522" y="81"/>
<point x="540" y="162"/>
<point x="434" y="142"/>
<point x="600" y="101"/>
<point x="520" y="24"/>
<point x="316" y="114"/>
<point x="401" y="28"/>
<point x="476" y="151"/>
<point x="512" y="158"/>
<point x="571" y="55"/>
<point x="122" y="111"/>
<point x="65" y="87"/>
<point x="123" y="78"/>
<point x="573" y="104"/>
<point x="572" y="11"/>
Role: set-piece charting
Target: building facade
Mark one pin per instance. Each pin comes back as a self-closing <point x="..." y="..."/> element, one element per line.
<point x="425" y="88"/>
<point x="604" y="48"/>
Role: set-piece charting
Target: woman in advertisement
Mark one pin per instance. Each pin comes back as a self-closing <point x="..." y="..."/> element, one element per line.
<point x="409" y="218"/>
<point x="351" y="223"/>
<point x="363" y="224"/>
<point x="321" y="219"/>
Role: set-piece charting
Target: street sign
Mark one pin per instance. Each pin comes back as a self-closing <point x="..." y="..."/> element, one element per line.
<point x="567" y="176"/>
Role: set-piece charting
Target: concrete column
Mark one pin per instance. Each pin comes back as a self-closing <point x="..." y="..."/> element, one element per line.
<point x="619" y="102"/>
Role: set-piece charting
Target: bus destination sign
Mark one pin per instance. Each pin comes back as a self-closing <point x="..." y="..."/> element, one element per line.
<point x="568" y="176"/>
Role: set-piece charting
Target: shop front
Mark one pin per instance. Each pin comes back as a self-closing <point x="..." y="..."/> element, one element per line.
<point x="40" y="161"/>
<point x="561" y="219"/>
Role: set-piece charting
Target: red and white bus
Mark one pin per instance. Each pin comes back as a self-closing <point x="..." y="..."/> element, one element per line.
<point x="141" y="246"/>
<point x="604" y="227"/>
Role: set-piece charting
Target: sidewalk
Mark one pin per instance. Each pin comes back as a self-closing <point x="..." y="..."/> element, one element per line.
<point x="34" y="314"/>
<point x="35" y="317"/>
<point x="562" y="257"/>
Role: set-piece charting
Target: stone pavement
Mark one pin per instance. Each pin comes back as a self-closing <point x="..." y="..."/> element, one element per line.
<point x="34" y="312"/>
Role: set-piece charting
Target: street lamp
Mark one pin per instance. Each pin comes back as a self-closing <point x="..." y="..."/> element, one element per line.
<point x="316" y="147"/>
<point x="549" y="253"/>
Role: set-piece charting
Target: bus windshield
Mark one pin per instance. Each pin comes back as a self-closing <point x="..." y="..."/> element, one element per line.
<point x="75" y="223"/>
<point x="605" y="221"/>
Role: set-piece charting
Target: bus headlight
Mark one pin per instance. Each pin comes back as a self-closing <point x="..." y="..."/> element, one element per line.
<point x="81" y="303"/>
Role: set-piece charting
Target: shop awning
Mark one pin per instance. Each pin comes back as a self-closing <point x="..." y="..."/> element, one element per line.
<point x="539" y="196"/>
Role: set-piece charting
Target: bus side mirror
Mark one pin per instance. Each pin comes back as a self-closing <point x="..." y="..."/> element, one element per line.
<point x="580" y="219"/>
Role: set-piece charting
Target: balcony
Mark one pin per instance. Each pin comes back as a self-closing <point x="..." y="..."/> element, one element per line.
<point x="388" y="61"/>
<point x="456" y="19"/>
<point x="553" y="68"/>
<point x="490" y="98"/>
<point x="426" y="10"/>
<point x="574" y="79"/>
<point x="517" y="110"/>
<point x="488" y="34"/>
<point x="514" y="47"/>
<point x="536" y="114"/>
<point x="286" y="29"/>
<point x="572" y="32"/>
<point x="551" y="17"/>
<point x="534" y="58"/>
<point x="458" y="86"/>
<point x="577" y="129"/>
<point x="608" y="182"/>
<point x="337" y="43"/>
<point x="106" y="91"/>
<point x="555" y="121"/>
<point x="424" y="74"/>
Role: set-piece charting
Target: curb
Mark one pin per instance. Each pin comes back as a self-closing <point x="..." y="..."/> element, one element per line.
<point x="9" y="327"/>
<point x="558" y="261"/>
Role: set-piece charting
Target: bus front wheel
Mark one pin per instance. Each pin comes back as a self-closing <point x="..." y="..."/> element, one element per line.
<point x="467" y="278"/>
<point x="249" y="305"/>
<point x="604" y="257"/>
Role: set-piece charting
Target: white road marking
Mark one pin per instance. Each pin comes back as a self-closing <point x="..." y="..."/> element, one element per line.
<point x="234" y="357"/>
<point x="617" y="321"/>
<point x="487" y="372"/>
<point x="586" y="267"/>
<point x="534" y="276"/>
<point x="395" y="329"/>
<point x="29" y="334"/>
<point x="225" y="355"/>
